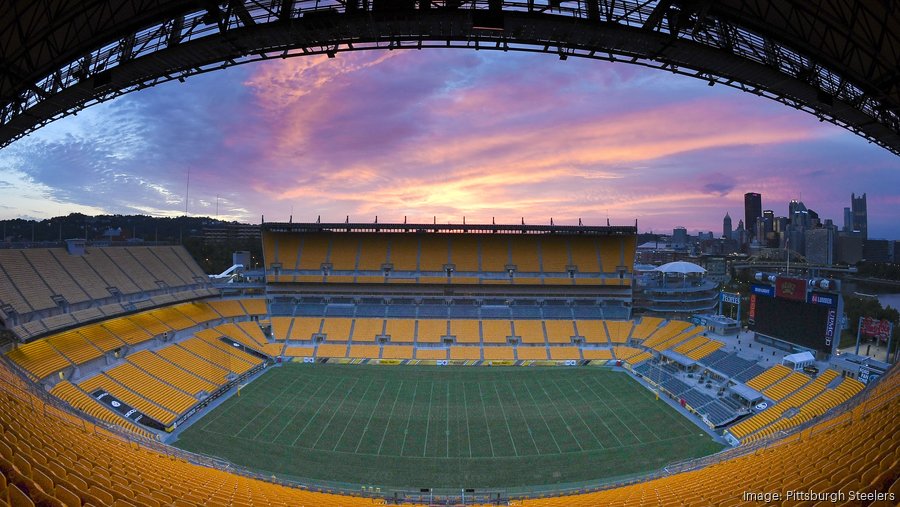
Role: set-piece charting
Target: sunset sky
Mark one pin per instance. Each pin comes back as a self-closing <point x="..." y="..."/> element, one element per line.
<point x="446" y="134"/>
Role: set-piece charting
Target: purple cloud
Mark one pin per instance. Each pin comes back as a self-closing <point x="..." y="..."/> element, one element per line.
<point x="453" y="133"/>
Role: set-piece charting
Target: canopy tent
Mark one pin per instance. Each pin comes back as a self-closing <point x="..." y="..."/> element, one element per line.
<point x="681" y="267"/>
<point x="799" y="360"/>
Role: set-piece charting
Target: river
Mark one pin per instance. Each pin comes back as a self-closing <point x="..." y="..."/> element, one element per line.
<point x="887" y="295"/>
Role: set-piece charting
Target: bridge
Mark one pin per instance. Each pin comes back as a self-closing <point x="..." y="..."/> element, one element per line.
<point x="835" y="59"/>
<point x="785" y="260"/>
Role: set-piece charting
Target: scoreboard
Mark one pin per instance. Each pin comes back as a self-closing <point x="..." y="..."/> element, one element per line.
<point x="790" y="312"/>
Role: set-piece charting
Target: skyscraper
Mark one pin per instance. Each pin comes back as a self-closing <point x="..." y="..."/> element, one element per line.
<point x="848" y="220"/>
<point x="726" y="226"/>
<point x="860" y="219"/>
<point x="752" y="211"/>
<point x="679" y="238"/>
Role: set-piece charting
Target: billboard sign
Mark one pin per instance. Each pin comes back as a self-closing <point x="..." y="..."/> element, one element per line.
<point x="731" y="298"/>
<point x="763" y="290"/>
<point x="752" y="314"/>
<point x="820" y="298"/>
<point x="830" y="325"/>
<point x="790" y="288"/>
<point x="878" y="328"/>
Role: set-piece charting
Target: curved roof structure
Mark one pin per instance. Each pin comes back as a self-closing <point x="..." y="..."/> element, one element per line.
<point x="835" y="59"/>
<point x="680" y="267"/>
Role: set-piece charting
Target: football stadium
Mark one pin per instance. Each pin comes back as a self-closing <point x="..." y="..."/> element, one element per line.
<point x="401" y="363"/>
<point x="423" y="363"/>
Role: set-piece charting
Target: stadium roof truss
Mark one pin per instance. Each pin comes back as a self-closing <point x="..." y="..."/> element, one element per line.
<point x="836" y="59"/>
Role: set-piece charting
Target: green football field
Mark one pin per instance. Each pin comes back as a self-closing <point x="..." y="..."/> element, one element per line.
<point x="446" y="427"/>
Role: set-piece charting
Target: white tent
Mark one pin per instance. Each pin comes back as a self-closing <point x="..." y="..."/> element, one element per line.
<point x="799" y="360"/>
<point x="681" y="267"/>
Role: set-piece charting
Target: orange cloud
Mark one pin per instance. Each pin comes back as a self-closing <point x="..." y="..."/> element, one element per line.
<point x="352" y="141"/>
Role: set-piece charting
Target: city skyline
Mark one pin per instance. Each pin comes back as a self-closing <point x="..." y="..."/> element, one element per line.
<point x="450" y="134"/>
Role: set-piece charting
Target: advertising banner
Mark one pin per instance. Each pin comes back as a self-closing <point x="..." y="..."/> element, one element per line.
<point x="830" y="325"/>
<point x="763" y="290"/>
<point x="727" y="297"/>
<point x="790" y="288"/>
<point x="878" y="328"/>
<point x="820" y="298"/>
<point x="125" y="410"/>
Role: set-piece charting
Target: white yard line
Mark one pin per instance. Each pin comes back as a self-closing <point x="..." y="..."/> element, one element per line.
<point x="506" y="420"/>
<point x="428" y="419"/>
<point x="540" y="413"/>
<point x="336" y="410"/>
<point x="561" y="418"/>
<point x="374" y="409"/>
<point x="388" y="425"/>
<point x="586" y="425"/>
<point x="600" y="417"/>
<point x="533" y="441"/>
<point x="408" y="417"/>
<point x="350" y="419"/>
<point x="311" y="419"/>
<point x="487" y="423"/>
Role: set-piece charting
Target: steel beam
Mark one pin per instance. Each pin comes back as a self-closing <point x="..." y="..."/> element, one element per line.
<point x="837" y="60"/>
